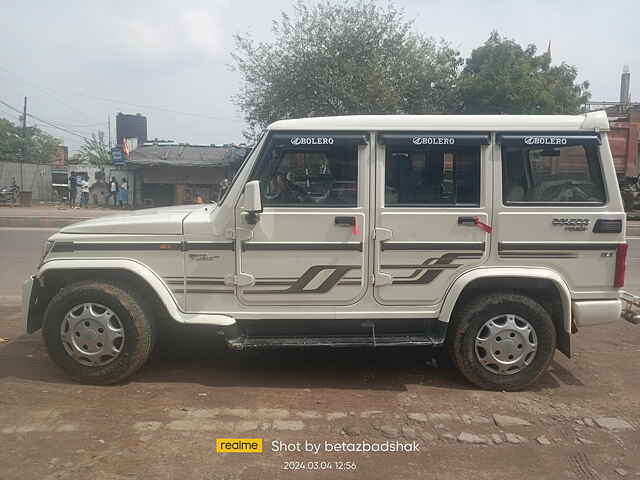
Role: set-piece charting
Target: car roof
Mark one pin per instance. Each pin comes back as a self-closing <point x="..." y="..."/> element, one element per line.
<point x="592" y="121"/>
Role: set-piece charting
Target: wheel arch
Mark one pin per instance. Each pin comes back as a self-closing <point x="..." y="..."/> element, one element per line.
<point x="543" y="285"/>
<point x="54" y="274"/>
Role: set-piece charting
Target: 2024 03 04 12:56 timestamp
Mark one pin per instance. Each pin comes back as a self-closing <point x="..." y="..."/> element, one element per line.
<point x="319" y="465"/>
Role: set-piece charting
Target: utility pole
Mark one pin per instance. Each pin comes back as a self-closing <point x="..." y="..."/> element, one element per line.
<point x="24" y="141"/>
<point x="109" y="122"/>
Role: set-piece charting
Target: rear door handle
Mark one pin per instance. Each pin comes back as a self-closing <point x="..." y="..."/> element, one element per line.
<point x="471" y="221"/>
<point x="345" y="221"/>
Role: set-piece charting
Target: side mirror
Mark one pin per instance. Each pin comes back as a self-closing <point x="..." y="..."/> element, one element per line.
<point x="252" y="201"/>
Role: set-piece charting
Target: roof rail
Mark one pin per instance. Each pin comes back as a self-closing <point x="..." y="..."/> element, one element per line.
<point x="595" y="121"/>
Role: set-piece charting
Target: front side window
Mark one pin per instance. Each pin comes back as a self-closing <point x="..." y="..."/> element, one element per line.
<point x="560" y="170"/>
<point x="310" y="170"/>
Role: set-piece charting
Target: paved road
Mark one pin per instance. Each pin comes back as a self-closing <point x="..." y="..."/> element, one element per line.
<point x="581" y="421"/>
<point x="21" y="251"/>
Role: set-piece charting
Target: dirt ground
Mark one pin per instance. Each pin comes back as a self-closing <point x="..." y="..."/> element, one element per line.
<point x="581" y="421"/>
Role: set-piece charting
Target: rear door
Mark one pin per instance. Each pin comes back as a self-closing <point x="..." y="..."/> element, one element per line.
<point x="558" y="207"/>
<point x="433" y="205"/>
<point x="307" y="247"/>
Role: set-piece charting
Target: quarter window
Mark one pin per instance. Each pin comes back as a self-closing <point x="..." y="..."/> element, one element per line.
<point x="554" y="173"/>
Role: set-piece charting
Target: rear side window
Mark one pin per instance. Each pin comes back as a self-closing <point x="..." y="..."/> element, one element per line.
<point x="432" y="170"/>
<point x="551" y="170"/>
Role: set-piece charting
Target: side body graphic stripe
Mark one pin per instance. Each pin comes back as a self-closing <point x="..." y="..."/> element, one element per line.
<point x="467" y="246"/>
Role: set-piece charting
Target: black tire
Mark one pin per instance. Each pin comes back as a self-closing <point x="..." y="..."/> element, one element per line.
<point x="133" y="315"/>
<point x="468" y="322"/>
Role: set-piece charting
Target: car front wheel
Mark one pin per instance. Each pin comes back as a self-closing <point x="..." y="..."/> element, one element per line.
<point x="98" y="332"/>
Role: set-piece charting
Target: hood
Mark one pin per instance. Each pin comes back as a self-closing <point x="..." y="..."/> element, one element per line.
<point x="151" y="221"/>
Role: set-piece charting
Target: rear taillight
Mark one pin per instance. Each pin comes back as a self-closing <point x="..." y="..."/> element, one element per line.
<point x="621" y="259"/>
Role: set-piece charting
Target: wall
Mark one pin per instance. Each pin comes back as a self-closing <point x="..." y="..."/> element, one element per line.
<point x="36" y="179"/>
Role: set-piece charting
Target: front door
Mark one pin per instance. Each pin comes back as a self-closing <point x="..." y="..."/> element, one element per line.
<point x="308" y="246"/>
<point x="433" y="205"/>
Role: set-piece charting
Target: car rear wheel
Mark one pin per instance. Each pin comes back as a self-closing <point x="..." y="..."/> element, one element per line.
<point x="97" y="332"/>
<point x="502" y="341"/>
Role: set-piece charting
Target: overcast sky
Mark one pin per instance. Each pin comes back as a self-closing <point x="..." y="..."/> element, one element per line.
<point x="79" y="62"/>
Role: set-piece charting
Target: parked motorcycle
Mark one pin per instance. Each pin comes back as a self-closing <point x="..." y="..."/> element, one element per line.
<point x="9" y="195"/>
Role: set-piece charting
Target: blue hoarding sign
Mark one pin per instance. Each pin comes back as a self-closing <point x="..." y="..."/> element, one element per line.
<point x="117" y="156"/>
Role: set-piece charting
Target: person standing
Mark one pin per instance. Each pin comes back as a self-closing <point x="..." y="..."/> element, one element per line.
<point x="73" y="189"/>
<point x="113" y="191"/>
<point x="79" y="183"/>
<point x="84" y="193"/>
<point x="123" y="194"/>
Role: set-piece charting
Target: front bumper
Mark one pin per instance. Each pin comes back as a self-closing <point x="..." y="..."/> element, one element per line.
<point x="595" y="312"/>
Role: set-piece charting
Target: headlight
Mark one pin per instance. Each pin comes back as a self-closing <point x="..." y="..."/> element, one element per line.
<point x="47" y="250"/>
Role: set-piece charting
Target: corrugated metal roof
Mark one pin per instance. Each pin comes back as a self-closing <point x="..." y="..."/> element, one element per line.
<point x="187" y="155"/>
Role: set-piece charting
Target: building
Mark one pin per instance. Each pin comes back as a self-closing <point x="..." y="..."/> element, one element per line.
<point x="61" y="157"/>
<point x="174" y="174"/>
<point x="624" y="133"/>
<point x="131" y="126"/>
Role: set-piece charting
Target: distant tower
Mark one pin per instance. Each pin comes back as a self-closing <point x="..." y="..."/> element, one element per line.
<point x="131" y="126"/>
<point x="625" y="83"/>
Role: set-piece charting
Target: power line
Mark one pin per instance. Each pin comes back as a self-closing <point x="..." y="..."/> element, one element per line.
<point x="6" y="112"/>
<point x="68" y="125"/>
<point x="51" y="93"/>
<point x="58" y="127"/>
<point x="11" y="107"/>
<point x="161" y="109"/>
<point x="150" y="107"/>
<point x="50" y="124"/>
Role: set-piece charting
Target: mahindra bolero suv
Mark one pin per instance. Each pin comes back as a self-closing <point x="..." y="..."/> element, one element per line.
<point x="496" y="237"/>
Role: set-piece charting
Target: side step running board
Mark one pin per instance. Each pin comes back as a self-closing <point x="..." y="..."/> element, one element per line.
<point x="241" y="343"/>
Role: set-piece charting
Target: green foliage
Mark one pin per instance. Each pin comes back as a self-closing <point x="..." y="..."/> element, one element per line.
<point x="502" y="77"/>
<point x="10" y="141"/>
<point x="95" y="151"/>
<point x="40" y="146"/>
<point x="352" y="57"/>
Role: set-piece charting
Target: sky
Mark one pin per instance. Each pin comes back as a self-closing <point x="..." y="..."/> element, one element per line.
<point x="80" y="63"/>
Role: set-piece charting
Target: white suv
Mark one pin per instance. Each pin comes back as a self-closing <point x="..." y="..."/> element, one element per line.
<point x="495" y="236"/>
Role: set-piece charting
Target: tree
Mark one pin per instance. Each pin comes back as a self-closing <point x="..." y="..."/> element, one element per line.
<point x="502" y="77"/>
<point x="40" y="146"/>
<point x="95" y="151"/>
<point x="351" y="57"/>
<point x="10" y="141"/>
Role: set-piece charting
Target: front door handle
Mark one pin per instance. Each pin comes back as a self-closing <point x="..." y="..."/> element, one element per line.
<point x="470" y="221"/>
<point x="345" y="221"/>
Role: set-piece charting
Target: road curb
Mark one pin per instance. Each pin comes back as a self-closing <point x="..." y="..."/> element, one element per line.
<point x="40" y="222"/>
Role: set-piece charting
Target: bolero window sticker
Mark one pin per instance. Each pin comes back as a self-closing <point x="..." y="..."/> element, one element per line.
<point x="436" y="139"/>
<point x="312" y="140"/>
<point x="547" y="139"/>
<point x="320" y="139"/>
